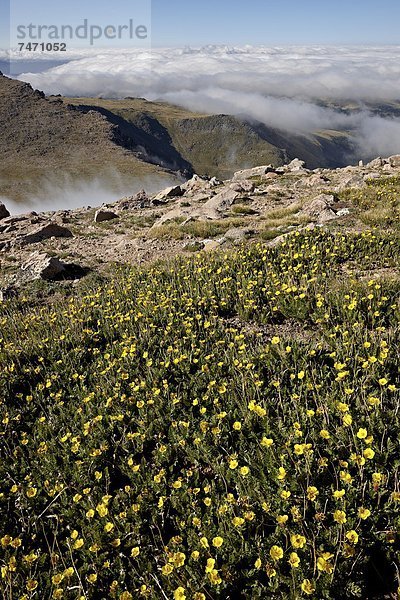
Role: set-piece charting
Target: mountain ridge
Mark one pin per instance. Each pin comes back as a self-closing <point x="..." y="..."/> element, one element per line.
<point x="42" y="138"/>
<point x="51" y="137"/>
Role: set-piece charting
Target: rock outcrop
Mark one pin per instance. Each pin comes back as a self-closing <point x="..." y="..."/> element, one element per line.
<point x="4" y="213"/>
<point x="137" y="202"/>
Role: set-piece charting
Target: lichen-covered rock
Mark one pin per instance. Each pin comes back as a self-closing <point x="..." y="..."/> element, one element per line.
<point x="320" y="208"/>
<point x="41" y="266"/>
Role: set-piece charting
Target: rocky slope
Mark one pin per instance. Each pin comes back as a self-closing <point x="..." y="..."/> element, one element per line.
<point x="262" y="203"/>
<point x="42" y="139"/>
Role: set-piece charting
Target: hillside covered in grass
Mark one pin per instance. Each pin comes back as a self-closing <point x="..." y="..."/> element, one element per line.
<point x="218" y="427"/>
<point x="216" y="144"/>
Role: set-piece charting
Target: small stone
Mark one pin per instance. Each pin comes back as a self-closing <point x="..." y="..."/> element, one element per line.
<point x="194" y="246"/>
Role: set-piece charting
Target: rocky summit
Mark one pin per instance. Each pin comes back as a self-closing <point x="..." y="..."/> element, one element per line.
<point x="262" y="203"/>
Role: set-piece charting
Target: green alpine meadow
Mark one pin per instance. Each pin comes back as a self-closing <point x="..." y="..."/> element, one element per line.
<point x="218" y="426"/>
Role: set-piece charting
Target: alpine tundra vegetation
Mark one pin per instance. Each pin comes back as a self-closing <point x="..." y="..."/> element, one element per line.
<point x="223" y="425"/>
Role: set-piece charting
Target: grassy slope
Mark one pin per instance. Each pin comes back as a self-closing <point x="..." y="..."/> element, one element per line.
<point x="214" y="145"/>
<point x="221" y="144"/>
<point x="188" y="429"/>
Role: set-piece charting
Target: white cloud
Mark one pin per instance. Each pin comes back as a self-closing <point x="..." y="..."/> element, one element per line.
<point x="354" y="72"/>
<point x="277" y="86"/>
<point x="64" y="192"/>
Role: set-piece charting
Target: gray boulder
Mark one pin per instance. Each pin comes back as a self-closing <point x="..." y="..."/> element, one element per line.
<point x="222" y="201"/>
<point x="245" y="186"/>
<point x="238" y="234"/>
<point x="316" y="180"/>
<point x="172" y="215"/>
<point x="255" y="172"/>
<point x="377" y="163"/>
<point x="355" y="181"/>
<point x="45" y="232"/>
<point x="102" y="215"/>
<point x="170" y="192"/>
<point x="320" y="209"/>
<point x="389" y="168"/>
<point x="41" y="266"/>
<point x="394" y="161"/>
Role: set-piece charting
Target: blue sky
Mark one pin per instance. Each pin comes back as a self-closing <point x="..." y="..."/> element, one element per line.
<point x="276" y="22"/>
<point x="269" y="22"/>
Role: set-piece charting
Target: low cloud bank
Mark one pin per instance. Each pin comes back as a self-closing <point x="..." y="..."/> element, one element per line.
<point x="67" y="193"/>
<point x="276" y="86"/>
<point x="358" y="73"/>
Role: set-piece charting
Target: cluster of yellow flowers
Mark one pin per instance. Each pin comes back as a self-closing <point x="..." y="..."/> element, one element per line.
<point x="223" y="425"/>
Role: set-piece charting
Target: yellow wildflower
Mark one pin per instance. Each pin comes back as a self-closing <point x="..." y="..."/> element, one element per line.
<point x="276" y="553"/>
